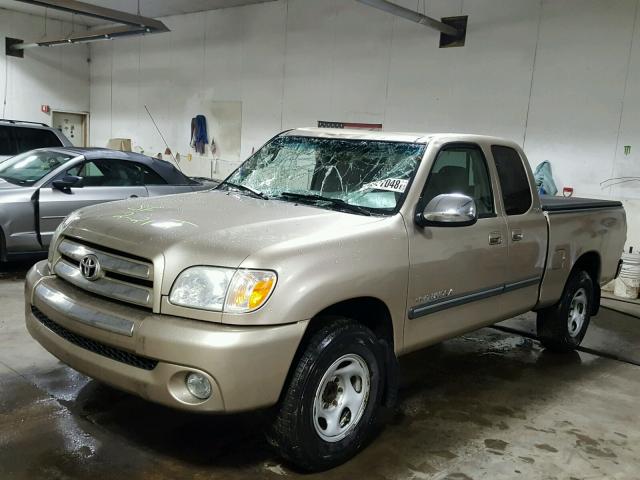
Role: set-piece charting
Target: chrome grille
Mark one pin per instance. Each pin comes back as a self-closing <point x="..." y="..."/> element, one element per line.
<point x="100" y="348"/>
<point x="121" y="278"/>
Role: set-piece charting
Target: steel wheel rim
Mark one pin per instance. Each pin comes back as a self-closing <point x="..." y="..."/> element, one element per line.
<point x="341" y="397"/>
<point x="577" y="312"/>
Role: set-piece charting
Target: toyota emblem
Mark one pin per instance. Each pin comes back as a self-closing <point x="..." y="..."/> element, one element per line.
<point x="90" y="267"/>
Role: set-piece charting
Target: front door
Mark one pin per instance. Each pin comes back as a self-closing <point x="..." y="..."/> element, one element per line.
<point x="455" y="272"/>
<point x="102" y="181"/>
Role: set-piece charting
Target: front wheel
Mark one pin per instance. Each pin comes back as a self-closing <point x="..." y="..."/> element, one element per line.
<point x="562" y="327"/>
<point x="329" y="408"/>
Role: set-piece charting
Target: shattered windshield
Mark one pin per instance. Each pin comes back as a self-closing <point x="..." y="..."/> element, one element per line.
<point x="361" y="176"/>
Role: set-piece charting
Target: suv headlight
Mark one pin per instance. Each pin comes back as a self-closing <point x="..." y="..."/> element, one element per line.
<point x="223" y="289"/>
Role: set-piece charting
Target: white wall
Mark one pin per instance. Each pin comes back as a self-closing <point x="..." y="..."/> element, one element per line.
<point x="561" y="77"/>
<point x="55" y="76"/>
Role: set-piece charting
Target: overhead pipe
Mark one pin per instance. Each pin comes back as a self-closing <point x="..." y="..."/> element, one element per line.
<point x="95" y="11"/>
<point x="412" y="15"/>
<point x="130" y="24"/>
<point x="107" y="33"/>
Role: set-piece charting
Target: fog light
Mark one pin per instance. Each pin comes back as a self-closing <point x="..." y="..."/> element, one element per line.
<point x="198" y="385"/>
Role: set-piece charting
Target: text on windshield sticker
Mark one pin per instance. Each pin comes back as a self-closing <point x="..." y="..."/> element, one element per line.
<point x="389" y="184"/>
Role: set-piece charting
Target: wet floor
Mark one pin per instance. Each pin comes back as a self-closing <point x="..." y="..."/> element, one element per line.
<point x="488" y="405"/>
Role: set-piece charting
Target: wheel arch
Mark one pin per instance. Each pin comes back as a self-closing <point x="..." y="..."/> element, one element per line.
<point x="370" y="312"/>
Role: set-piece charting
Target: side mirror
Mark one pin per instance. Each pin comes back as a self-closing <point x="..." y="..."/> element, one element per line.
<point x="448" y="210"/>
<point x="65" y="183"/>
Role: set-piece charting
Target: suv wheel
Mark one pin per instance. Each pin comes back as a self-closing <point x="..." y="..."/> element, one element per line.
<point x="329" y="408"/>
<point x="562" y="327"/>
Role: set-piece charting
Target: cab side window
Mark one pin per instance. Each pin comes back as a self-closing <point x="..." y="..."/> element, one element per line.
<point x="516" y="191"/>
<point x="115" y="173"/>
<point x="92" y="175"/>
<point x="461" y="169"/>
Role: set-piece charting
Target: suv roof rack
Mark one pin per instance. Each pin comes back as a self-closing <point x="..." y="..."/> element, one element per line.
<point x="23" y="121"/>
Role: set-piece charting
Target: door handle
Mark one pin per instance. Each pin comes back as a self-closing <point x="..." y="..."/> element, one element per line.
<point x="517" y="235"/>
<point x="495" y="238"/>
<point x="133" y="196"/>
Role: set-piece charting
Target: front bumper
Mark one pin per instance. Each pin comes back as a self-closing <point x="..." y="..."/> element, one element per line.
<point x="150" y="355"/>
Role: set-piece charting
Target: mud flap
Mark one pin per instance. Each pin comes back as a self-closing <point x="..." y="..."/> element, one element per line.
<point x="596" y="299"/>
<point x="391" y="383"/>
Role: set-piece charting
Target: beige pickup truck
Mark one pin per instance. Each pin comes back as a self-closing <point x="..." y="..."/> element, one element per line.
<point x="297" y="283"/>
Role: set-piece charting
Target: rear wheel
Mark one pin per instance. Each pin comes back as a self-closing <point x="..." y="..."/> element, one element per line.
<point x="330" y="406"/>
<point x="562" y="327"/>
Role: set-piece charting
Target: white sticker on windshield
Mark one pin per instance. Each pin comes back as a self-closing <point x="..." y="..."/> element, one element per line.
<point x="390" y="184"/>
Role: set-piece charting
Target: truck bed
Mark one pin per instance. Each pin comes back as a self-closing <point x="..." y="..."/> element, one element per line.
<point x="561" y="204"/>
<point x="579" y="226"/>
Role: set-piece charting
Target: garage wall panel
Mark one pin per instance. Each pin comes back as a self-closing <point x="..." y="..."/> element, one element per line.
<point x="578" y="88"/>
<point x="310" y="66"/>
<point x="481" y="88"/>
<point x="262" y="79"/>
<point x="360" y="63"/>
<point x="627" y="162"/>
<point x="125" y="87"/>
<point x="100" y="98"/>
<point x="57" y="76"/>
<point x="156" y="89"/>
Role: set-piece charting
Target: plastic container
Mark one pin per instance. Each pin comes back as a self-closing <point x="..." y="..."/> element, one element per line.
<point x="628" y="282"/>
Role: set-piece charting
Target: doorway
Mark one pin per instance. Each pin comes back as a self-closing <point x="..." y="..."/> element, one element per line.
<point x="74" y="125"/>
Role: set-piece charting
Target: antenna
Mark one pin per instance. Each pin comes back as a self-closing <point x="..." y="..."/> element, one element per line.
<point x="163" y="139"/>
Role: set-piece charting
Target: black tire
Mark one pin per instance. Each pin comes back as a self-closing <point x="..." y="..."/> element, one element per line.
<point x="556" y="331"/>
<point x="294" y="431"/>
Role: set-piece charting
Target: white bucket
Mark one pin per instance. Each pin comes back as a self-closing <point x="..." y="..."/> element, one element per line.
<point x="628" y="282"/>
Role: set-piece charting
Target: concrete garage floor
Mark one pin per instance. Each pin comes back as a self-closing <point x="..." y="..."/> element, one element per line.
<point x="489" y="405"/>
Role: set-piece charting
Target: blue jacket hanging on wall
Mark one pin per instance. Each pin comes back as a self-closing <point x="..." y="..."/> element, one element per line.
<point x="199" y="137"/>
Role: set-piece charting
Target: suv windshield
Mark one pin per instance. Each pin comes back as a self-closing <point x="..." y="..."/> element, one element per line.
<point x="360" y="176"/>
<point x="27" y="168"/>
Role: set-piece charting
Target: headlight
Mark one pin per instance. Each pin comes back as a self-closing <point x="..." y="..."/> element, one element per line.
<point x="222" y="289"/>
<point x="201" y="287"/>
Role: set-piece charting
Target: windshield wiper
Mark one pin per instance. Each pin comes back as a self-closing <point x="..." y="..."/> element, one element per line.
<point x="338" y="202"/>
<point x="244" y="188"/>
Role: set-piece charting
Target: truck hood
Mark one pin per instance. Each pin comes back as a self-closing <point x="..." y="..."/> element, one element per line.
<point x="205" y="228"/>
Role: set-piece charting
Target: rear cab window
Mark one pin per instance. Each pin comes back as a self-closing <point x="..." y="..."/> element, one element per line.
<point x="514" y="183"/>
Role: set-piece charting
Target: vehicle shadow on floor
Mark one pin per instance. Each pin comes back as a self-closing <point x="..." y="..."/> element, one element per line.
<point x="16" y="270"/>
<point x="454" y="383"/>
<point x="198" y="439"/>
